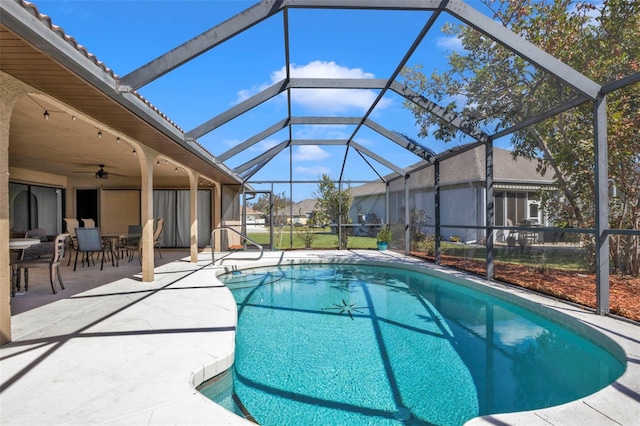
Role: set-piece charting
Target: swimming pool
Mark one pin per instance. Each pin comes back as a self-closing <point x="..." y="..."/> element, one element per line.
<point x="346" y="344"/>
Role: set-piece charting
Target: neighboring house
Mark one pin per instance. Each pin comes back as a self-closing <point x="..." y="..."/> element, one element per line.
<point x="462" y="195"/>
<point x="255" y="217"/>
<point x="297" y="213"/>
<point x="303" y="211"/>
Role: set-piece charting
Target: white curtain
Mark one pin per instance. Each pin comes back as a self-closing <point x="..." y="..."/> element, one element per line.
<point x="164" y="206"/>
<point x="174" y="207"/>
<point x="204" y="218"/>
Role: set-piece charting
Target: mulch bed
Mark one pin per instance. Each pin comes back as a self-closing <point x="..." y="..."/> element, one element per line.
<point x="575" y="287"/>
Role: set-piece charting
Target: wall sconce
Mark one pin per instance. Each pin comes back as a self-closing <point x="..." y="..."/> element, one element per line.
<point x="118" y="139"/>
<point x="99" y="134"/>
<point x="74" y="118"/>
<point x="134" y="153"/>
<point x="176" y="170"/>
<point x="46" y="114"/>
<point x="158" y="163"/>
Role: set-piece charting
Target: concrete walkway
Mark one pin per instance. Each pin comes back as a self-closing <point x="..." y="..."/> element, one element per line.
<point x="127" y="352"/>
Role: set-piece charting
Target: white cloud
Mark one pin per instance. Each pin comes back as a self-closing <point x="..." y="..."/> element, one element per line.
<point x="310" y="153"/>
<point x="322" y="132"/>
<point x="320" y="69"/>
<point x="313" y="171"/>
<point x="450" y="43"/>
<point x="326" y="101"/>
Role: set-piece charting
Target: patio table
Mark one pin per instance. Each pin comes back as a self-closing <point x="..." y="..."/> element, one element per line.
<point x="113" y="238"/>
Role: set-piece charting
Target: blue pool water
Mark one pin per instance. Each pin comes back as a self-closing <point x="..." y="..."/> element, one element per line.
<point x="346" y="344"/>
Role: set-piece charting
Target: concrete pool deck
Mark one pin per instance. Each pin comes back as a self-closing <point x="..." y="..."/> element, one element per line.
<point x="128" y="352"/>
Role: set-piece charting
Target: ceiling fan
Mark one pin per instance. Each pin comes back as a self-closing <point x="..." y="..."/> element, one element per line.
<point x="101" y="173"/>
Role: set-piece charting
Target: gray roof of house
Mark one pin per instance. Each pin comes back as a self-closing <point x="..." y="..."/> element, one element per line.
<point x="468" y="166"/>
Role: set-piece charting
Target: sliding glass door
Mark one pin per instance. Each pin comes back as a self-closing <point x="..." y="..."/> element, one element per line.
<point x="32" y="206"/>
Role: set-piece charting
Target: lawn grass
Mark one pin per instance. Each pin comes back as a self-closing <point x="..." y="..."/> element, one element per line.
<point x="323" y="239"/>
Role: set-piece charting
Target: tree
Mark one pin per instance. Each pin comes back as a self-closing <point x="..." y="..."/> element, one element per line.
<point x="335" y="204"/>
<point x="500" y="89"/>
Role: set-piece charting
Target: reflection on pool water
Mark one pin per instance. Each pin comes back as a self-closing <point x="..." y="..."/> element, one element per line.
<point x="347" y="344"/>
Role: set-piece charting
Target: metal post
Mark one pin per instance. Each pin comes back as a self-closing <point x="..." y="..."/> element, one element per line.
<point x="271" y="217"/>
<point x="436" y="187"/>
<point x="490" y="212"/>
<point x="243" y="223"/>
<point x="340" y="215"/>
<point x="290" y="193"/>
<point x="407" y="230"/>
<point x="386" y="203"/>
<point x="602" y="205"/>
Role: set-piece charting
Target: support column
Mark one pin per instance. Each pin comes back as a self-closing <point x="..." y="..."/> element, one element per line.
<point x="146" y="158"/>
<point x="602" y="205"/>
<point x="193" y="202"/>
<point x="490" y="213"/>
<point x="10" y="92"/>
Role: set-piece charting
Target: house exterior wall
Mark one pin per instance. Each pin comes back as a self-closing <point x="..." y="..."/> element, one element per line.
<point x="362" y="208"/>
<point x="462" y="195"/>
<point x="460" y="207"/>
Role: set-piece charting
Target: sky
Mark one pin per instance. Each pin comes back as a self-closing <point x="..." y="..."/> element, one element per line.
<point x="125" y="35"/>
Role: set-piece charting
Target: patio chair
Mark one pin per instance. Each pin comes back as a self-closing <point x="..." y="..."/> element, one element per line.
<point x="42" y="250"/>
<point x="31" y="260"/>
<point x="72" y="224"/>
<point x="89" y="242"/>
<point x="88" y="223"/>
<point x="133" y="241"/>
<point x="157" y="235"/>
